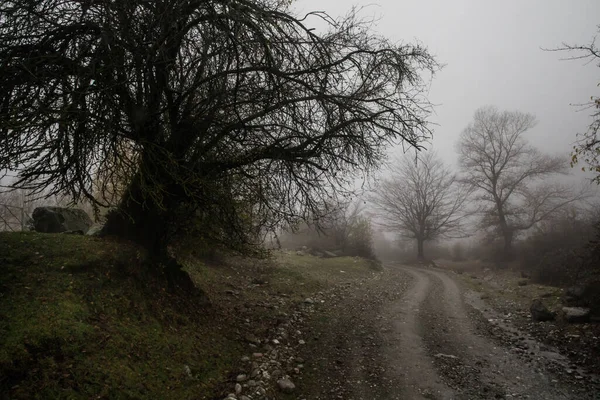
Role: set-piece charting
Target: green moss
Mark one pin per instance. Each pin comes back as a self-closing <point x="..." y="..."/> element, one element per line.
<point x="75" y="322"/>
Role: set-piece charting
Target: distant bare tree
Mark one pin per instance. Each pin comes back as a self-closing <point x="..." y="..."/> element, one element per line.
<point x="16" y="207"/>
<point x="508" y="173"/>
<point x="587" y="148"/>
<point x="422" y="200"/>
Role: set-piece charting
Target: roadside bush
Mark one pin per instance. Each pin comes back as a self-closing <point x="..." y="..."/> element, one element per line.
<point x="559" y="252"/>
<point x="459" y="252"/>
<point x="346" y="231"/>
<point x="360" y="239"/>
<point x="489" y="251"/>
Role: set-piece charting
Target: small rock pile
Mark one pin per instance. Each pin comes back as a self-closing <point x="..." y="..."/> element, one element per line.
<point x="273" y="366"/>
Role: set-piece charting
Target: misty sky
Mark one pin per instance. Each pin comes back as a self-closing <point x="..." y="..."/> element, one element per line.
<point x="493" y="56"/>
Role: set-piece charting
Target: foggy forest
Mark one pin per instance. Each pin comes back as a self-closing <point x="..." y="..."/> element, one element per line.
<point x="292" y="199"/>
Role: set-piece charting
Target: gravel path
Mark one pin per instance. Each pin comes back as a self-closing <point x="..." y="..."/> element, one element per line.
<point x="416" y="333"/>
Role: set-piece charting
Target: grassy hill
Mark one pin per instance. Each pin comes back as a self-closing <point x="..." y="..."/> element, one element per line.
<point x="81" y="317"/>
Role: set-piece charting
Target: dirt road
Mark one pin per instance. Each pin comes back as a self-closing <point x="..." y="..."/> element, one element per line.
<point x="416" y="333"/>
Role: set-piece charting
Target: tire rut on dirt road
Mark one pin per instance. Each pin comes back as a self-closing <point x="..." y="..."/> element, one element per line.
<point x="345" y="350"/>
<point x="409" y="334"/>
<point x="405" y="350"/>
<point x="476" y="366"/>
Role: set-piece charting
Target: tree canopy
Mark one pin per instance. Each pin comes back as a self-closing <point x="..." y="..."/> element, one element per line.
<point x="509" y="174"/>
<point x="228" y="109"/>
<point x="421" y="200"/>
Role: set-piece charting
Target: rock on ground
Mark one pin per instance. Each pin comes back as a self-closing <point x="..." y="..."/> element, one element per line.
<point x="95" y="230"/>
<point x="576" y="314"/>
<point x="59" y="219"/>
<point x="286" y="385"/>
<point x="539" y="312"/>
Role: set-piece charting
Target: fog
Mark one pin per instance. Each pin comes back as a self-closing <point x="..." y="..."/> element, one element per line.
<point x="230" y="196"/>
<point x="493" y="55"/>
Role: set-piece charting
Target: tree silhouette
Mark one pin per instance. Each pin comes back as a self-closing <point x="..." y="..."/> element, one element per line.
<point x="222" y="109"/>
<point x="421" y="200"/>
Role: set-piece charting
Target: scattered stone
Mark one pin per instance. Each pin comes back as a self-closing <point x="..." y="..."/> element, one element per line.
<point x="301" y="341"/>
<point x="309" y="301"/>
<point x="95" y="230"/>
<point x="258" y="281"/>
<point x="238" y="388"/>
<point x="276" y="374"/>
<point x="539" y="312"/>
<point x="188" y="371"/>
<point x="250" y="338"/>
<point x="245" y="359"/>
<point x="77" y="232"/>
<point x="261" y="391"/>
<point x="286" y="385"/>
<point x="441" y="355"/>
<point x="576" y="314"/>
<point x="241" y="378"/>
<point x="257" y="355"/>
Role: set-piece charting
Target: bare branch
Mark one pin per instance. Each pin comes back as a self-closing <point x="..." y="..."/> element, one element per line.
<point x="508" y="173"/>
<point x="421" y="200"/>
<point x="214" y="106"/>
<point x="587" y="149"/>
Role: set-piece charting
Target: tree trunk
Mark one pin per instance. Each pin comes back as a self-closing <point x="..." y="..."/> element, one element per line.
<point x="139" y="219"/>
<point x="507" y="233"/>
<point x="420" y="251"/>
<point x="508" y="248"/>
<point x="146" y="223"/>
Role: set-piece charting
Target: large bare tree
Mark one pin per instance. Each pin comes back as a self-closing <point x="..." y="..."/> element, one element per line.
<point x="511" y="177"/>
<point x="422" y="200"/>
<point x="229" y="110"/>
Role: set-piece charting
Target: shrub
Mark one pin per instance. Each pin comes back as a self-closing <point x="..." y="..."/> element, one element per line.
<point x="558" y="252"/>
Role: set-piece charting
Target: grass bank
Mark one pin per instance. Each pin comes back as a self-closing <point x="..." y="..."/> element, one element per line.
<point x="80" y="317"/>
